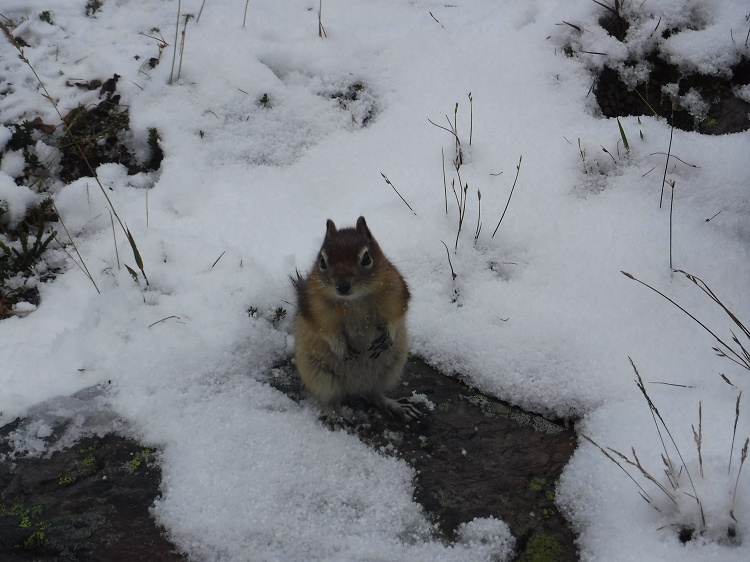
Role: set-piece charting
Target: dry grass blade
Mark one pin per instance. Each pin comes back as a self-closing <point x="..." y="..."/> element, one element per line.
<point x="78" y="148"/>
<point x="82" y="265"/>
<point x="669" y="153"/>
<point x="445" y="184"/>
<point x="471" y="117"/>
<point x="742" y="462"/>
<point x="673" y="157"/>
<point x="479" y="217"/>
<point x="698" y="436"/>
<point x="614" y="10"/>
<point x="518" y="170"/>
<point x="734" y="431"/>
<point x="188" y="17"/>
<point x="646" y="102"/>
<point x="707" y="290"/>
<point x="461" y="210"/>
<point x="321" y="30"/>
<point x="740" y="360"/>
<point x="622" y="135"/>
<point x="176" y="34"/>
<point x="644" y="494"/>
<point x="453" y="273"/>
<point x="397" y="193"/>
<point x="671" y="210"/>
<point x="646" y="474"/>
<point x="655" y="411"/>
<point x="578" y="29"/>
<point x="114" y="238"/>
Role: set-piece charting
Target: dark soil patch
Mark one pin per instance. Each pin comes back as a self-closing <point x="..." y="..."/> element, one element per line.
<point x="475" y="456"/>
<point x="88" y="503"/>
<point x="100" y="135"/>
<point x="726" y="112"/>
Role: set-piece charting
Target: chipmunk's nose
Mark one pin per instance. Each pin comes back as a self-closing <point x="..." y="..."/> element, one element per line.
<point x="343" y="286"/>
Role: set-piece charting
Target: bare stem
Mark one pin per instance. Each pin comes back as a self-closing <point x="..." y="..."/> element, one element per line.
<point x="397" y="193"/>
<point x="518" y="170"/>
<point x="669" y="152"/>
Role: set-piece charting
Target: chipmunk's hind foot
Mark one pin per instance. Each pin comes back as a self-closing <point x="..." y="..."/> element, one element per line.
<point x="401" y="409"/>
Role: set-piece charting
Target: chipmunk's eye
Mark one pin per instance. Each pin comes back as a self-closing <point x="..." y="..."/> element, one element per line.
<point x="366" y="259"/>
<point x="322" y="263"/>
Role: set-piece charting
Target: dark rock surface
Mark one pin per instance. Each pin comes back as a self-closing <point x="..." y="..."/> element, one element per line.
<point x="89" y="502"/>
<point x="474" y="456"/>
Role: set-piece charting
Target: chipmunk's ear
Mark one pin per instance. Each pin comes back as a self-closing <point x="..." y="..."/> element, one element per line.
<point x="362" y="227"/>
<point x="330" y="228"/>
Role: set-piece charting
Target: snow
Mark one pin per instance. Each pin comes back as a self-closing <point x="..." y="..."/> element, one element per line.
<point x="540" y="314"/>
<point x="15" y="200"/>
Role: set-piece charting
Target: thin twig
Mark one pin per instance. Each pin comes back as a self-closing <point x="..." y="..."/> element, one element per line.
<point x="217" y="259"/>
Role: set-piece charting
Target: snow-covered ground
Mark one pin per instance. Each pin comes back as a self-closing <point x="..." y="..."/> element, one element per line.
<point x="540" y="314"/>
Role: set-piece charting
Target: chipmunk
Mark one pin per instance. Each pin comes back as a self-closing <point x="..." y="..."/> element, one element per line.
<point x="350" y="330"/>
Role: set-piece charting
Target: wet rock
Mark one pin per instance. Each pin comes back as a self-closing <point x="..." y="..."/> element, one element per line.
<point x="89" y="502"/>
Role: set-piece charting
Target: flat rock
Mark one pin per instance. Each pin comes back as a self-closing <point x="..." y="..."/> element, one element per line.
<point x="474" y="457"/>
<point x="87" y="503"/>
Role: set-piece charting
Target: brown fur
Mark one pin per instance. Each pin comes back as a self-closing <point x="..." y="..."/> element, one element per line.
<point x="351" y="337"/>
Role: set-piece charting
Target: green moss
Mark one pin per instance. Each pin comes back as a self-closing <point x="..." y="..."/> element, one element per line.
<point x="28" y="519"/>
<point x="66" y="480"/>
<point x="537" y="484"/>
<point x="548" y="512"/>
<point x="37" y="540"/>
<point x="541" y="548"/>
<point x="139" y="458"/>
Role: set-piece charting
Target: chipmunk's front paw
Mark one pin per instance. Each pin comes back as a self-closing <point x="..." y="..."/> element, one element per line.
<point x="350" y="352"/>
<point x="380" y="344"/>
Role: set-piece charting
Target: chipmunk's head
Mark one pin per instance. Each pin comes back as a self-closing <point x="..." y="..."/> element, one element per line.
<point x="348" y="260"/>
